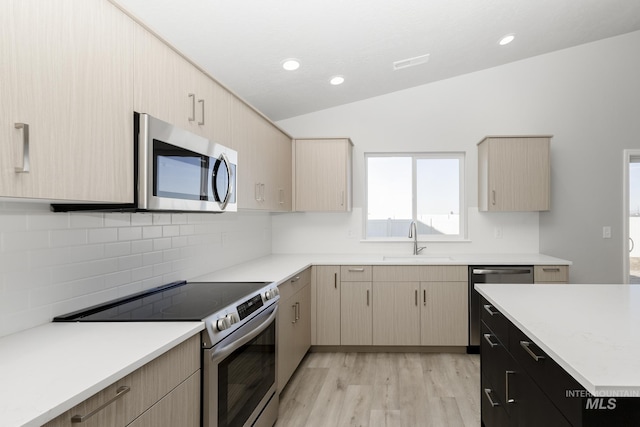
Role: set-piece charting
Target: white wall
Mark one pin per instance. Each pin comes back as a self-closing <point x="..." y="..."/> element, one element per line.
<point x="588" y="97"/>
<point x="54" y="263"/>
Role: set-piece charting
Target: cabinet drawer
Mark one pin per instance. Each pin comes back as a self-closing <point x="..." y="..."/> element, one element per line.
<point x="355" y="273"/>
<point x="444" y="273"/>
<point x="493" y="410"/>
<point x="552" y="379"/>
<point x="495" y="361"/>
<point x="396" y="273"/>
<point x="495" y="321"/>
<point x="294" y="283"/>
<point x="145" y="387"/>
<point x="551" y="273"/>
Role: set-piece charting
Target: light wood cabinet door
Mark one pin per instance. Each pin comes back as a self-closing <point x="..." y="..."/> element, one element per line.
<point x="323" y="169"/>
<point x="514" y="173"/>
<point x="71" y="70"/>
<point x="396" y="313"/>
<point x="356" y="313"/>
<point x="327" y="302"/>
<point x="444" y="313"/>
<point x="169" y="87"/>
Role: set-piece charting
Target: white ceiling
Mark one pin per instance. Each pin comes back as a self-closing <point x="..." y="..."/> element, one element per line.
<point x="243" y="42"/>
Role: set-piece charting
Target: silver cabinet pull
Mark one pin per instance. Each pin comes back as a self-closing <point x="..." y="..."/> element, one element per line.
<point x="357" y="270"/>
<point x="295" y="314"/>
<point x="493" y="197"/>
<point x="416" y="297"/>
<point x="192" y="117"/>
<point x="551" y="269"/>
<point x="297" y="311"/>
<point x="525" y="345"/>
<point x="367" y="297"/>
<point x="335" y="280"/>
<point x="201" y="102"/>
<point x="342" y="198"/>
<point x="506" y="386"/>
<point x="26" y="164"/>
<point x="487" y="338"/>
<point x="121" y="391"/>
<point x="281" y="196"/>
<point x="487" y="392"/>
<point x="295" y="279"/>
<point x="488" y="308"/>
<point x="424" y="297"/>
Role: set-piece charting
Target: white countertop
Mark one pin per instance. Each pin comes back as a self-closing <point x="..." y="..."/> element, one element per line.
<point x="276" y="268"/>
<point x="592" y="331"/>
<point x="47" y="370"/>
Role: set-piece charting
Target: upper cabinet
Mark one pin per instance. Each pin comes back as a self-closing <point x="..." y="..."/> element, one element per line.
<point x="66" y="105"/>
<point x="264" y="161"/>
<point x="514" y="173"/>
<point x="323" y="169"/>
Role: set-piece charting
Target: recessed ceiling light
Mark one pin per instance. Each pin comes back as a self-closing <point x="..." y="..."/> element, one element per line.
<point x="410" y="62"/>
<point x="336" y="80"/>
<point x="291" y="64"/>
<point x="506" y="39"/>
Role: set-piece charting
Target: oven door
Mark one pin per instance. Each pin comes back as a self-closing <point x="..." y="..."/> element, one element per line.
<point x="239" y="376"/>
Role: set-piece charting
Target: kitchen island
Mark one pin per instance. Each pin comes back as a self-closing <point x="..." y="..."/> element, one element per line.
<point x="560" y="354"/>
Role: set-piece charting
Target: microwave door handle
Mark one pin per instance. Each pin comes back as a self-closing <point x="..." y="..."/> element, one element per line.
<point x="223" y="158"/>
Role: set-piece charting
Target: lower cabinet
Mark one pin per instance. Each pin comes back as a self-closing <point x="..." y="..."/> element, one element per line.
<point x="356" y="313"/>
<point x="163" y="393"/>
<point x="294" y="324"/>
<point x="396" y="313"/>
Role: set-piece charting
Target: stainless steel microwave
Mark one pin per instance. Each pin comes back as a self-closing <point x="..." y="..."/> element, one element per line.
<point x="181" y="171"/>
<point x="175" y="171"/>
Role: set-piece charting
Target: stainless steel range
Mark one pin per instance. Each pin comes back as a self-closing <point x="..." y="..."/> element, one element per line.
<point x="238" y="344"/>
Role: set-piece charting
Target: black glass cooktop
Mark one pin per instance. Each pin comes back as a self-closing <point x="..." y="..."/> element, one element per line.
<point x="178" y="301"/>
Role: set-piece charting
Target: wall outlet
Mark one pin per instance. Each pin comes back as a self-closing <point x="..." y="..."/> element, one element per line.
<point x="497" y="232"/>
<point x="606" y="232"/>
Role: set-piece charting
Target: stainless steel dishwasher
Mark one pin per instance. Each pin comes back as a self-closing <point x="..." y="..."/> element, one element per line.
<point x="490" y="274"/>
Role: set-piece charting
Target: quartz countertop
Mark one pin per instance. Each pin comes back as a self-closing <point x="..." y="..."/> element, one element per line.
<point x="590" y="330"/>
<point x="277" y="268"/>
<point x="47" y="370"/>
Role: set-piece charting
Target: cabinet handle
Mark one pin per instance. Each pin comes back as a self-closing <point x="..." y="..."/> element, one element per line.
<point x="493" y="197"/>
<point x="335" y="280"/>
<point x="295" y="279"/>
<point x="416" y="297"/>
<point x="487" y="338"/>
<point x="525" y="345"/>
<point x="26" y="164"/>
<point x="424" y="297"/>
<point x="487" y="392"/>
<point x="121" y="391"/>
<point x="192" y="117"/>
<point x="201" y="102"/>
<point x="367" y="297"/>
<point x="342" y="198"/>
<point x="488" y="308"/>
<point x="551" y="269"/>
<point x="262" y="192"/>
<point x="295" y="314"/>
<point x="357" y="270"/>
<point x="506" y="386"/>
<point x="297" y="311"/>
<point x="281" y="195"/>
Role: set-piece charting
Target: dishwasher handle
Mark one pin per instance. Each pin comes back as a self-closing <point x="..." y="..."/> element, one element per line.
<point x="501" y="271"/>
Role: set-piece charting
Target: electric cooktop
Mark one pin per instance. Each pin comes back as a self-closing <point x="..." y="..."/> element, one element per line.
<point x="178" y="301"/>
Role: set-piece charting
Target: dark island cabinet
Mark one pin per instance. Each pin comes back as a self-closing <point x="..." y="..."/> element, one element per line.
<point x="522" y="386"/>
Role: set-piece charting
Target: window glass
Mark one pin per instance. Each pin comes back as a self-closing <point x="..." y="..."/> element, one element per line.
<point x="424" y="187"/>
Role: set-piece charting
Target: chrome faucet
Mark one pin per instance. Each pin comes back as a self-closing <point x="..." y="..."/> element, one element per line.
<point x="413" y="233"/>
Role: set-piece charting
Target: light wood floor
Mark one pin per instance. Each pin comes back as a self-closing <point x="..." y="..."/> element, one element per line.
<point x="383" y="389"/>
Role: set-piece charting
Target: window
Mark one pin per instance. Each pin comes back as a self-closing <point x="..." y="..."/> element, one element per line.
<point x="425" y="187"/>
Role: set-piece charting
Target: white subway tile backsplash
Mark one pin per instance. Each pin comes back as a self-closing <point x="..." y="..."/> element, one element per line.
<point x="54" y="263"/>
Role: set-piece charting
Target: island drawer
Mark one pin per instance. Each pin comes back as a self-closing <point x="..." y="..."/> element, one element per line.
<point x="552" y="379"/>
<point x="495" y="321"/>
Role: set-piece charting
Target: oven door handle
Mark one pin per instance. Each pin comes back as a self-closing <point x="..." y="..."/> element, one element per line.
<point x="224" y="351"/>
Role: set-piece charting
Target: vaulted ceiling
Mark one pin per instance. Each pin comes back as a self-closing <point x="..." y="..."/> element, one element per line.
<point x="243" y="43"/>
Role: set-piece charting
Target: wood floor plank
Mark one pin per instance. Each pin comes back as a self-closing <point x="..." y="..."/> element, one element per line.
<point x="383" y="389"/>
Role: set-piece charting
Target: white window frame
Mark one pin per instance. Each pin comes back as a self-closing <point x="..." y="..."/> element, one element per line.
<point x="415" y="156"/>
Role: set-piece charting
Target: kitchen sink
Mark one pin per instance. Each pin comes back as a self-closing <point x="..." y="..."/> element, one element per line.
<point x="417" y="258"/>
